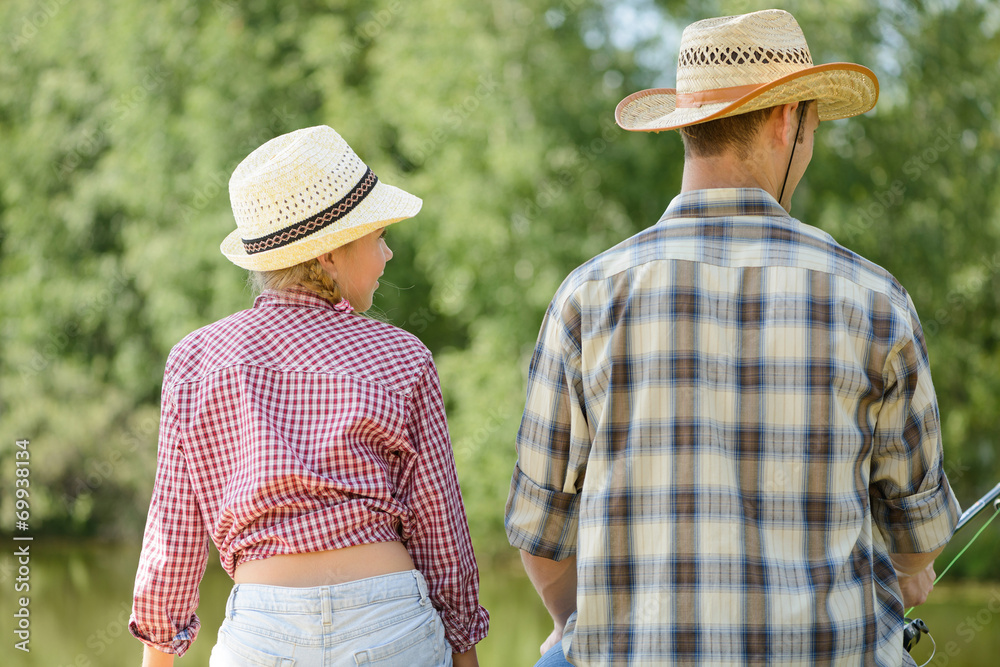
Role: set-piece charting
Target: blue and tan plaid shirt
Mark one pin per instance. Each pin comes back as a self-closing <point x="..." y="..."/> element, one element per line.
<point x="730" y="421"/>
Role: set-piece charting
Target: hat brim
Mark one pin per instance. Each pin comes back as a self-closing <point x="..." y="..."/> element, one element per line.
<point x="383" y="206"/>
<point x="840" y="89"/>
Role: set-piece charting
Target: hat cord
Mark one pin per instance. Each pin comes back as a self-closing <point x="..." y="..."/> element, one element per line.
<point x="798" y="129"/>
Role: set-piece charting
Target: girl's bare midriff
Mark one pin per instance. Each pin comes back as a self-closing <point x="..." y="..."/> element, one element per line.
<point x="326" y="568"/>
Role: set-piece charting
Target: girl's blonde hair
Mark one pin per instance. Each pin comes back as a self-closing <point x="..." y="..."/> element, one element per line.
<point x="308" y="275"/>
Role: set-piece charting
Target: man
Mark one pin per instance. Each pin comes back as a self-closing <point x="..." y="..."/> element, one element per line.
<point x="730" y="452"/>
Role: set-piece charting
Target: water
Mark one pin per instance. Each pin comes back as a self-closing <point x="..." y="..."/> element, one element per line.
<point x="80" y="599"/>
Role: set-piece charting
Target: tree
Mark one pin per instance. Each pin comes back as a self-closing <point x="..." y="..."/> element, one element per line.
<point x="122" y="121"/>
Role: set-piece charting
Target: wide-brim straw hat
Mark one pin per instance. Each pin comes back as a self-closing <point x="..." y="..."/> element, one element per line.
<point x="301" y="195"/>
<point x="736" y="64"/>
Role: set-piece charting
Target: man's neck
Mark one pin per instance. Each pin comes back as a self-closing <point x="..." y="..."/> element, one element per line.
<point x="724" y="171"/>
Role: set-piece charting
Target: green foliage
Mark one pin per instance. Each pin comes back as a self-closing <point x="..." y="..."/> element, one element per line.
<point x="122" y="121"/>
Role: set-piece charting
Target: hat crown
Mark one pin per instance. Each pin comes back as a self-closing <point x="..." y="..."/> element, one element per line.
<point x="292" y="177"/>
<point x="740" y="50"/>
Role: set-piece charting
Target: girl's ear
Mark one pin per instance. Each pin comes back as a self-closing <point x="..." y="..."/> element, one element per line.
<point x="326" y="261"/>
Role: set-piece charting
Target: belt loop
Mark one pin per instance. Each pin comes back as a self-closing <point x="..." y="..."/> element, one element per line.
<point x="325" y="595"/>
<point x="231" y="603"/>
<point x="421" y="585"/>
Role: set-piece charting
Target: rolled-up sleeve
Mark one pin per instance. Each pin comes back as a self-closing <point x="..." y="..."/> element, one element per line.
<point x="912" y="501"/>
<point x="439" y="540"/>
<point x="174" y="550"/>
<point x="542" y="510"/>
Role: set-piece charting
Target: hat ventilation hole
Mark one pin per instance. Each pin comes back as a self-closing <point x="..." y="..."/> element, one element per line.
<point x="725" y="55"/>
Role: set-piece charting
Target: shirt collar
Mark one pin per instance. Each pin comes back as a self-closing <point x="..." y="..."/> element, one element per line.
<point x="724" y="202"/>
<point x="291" y="297"/>
<point x="737" y="202"/>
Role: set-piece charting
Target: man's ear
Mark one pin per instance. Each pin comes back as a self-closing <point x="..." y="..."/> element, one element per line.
<point x="326" y="261"/>
<point x="786" y="122"/>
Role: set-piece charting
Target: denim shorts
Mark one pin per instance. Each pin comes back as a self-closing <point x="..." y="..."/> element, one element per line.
<point x="386" y="620"/>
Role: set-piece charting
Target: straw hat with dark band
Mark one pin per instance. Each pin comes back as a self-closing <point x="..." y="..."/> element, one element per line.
<point x="303" y="194"/>
<point x="736" y="64"/>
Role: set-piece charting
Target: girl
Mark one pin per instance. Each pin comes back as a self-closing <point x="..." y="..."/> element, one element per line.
<point x="309" y="444"/>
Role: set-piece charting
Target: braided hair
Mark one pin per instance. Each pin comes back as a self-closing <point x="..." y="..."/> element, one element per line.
<point x="309" y="275"/>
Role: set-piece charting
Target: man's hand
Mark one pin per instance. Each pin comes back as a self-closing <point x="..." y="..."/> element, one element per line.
<point x="554" y="638"/>
<point x="555" y="582"/>
<point x="915" y="573"/>
<point x="916" y="587"/>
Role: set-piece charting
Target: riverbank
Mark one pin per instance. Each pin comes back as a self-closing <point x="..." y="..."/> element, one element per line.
<point x="80" y="599"/>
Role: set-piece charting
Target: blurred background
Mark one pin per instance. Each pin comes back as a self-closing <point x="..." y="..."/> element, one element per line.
<point x="121" y="121"/>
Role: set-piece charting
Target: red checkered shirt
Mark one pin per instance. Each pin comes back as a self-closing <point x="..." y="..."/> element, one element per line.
<point x="292" y="428"/>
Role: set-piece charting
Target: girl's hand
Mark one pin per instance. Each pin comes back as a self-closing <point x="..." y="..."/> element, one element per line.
<point x="153" y="658"/>
<point x="467" y="659"/>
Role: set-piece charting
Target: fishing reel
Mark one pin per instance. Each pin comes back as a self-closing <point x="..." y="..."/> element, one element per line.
<point x="912" y="630"/>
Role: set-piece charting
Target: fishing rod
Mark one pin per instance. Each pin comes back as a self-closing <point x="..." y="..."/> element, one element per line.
<point x="980" y="505"/>
<point x="913" y="628"/>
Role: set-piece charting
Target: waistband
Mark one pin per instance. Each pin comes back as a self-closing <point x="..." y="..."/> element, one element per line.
<point x="327" y="599"/>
